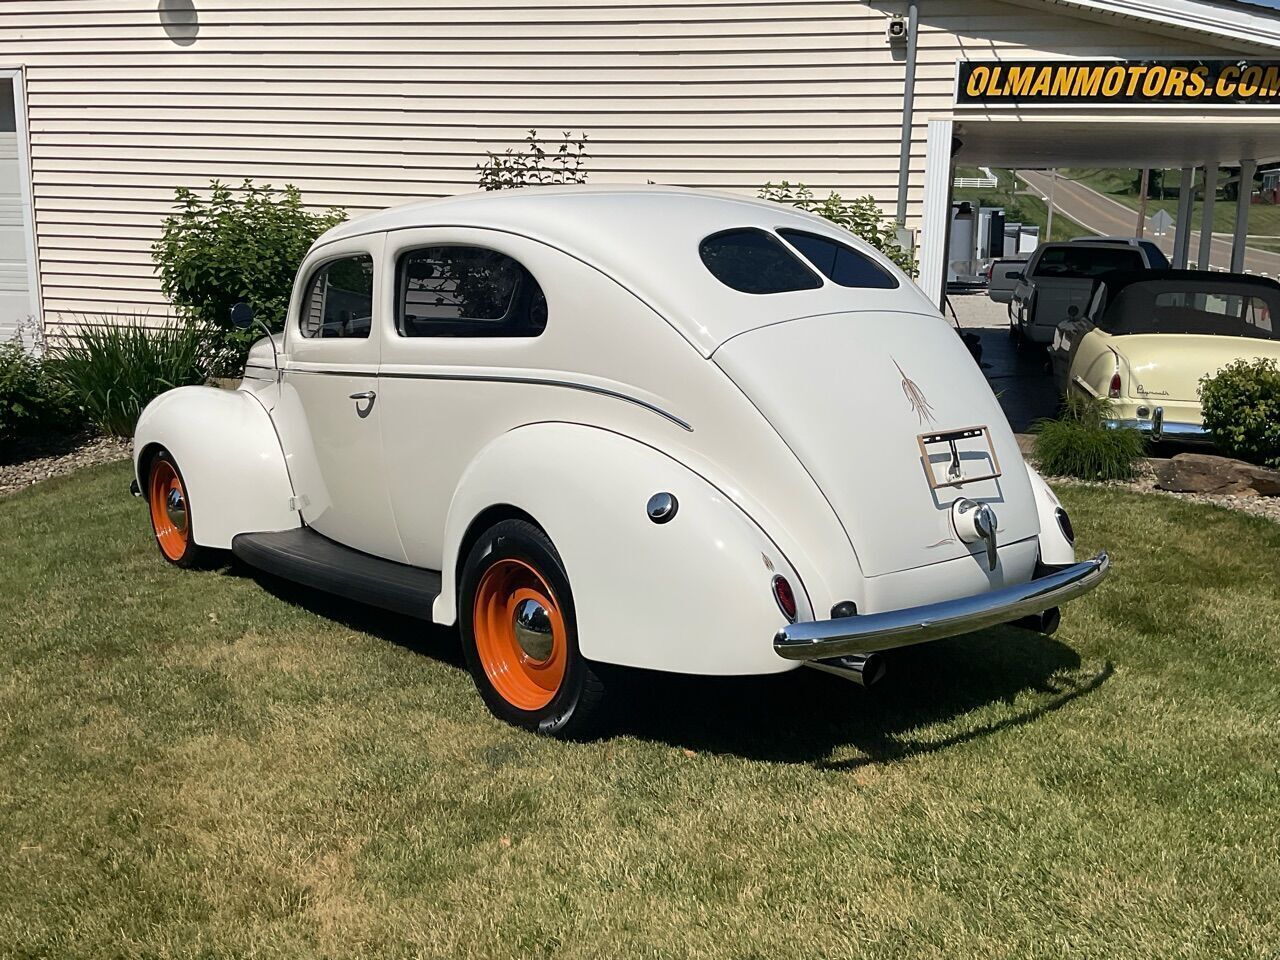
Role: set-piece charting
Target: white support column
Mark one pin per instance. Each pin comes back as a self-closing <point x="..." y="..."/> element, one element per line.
<point x="1244" y="201"/>
<point x="1182" y="229"/>
<point x="936" y="228"/>
<point x="1206" y="215"/>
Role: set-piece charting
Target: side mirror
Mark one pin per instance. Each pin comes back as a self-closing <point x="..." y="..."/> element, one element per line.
<point x="242" y="316"/>
<point x="1073" y="312"/>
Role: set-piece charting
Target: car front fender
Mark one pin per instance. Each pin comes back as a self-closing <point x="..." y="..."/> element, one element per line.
<point x="692" y="594"/>
<point x="229" y="456"/>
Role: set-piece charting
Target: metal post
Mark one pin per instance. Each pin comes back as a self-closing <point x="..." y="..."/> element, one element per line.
<point x="937" y="210"/>
<point x="1182" y="231"/>
<point x="1142" y="202"/>
<point x="908" y="114"/>
<point x="1206" y="215"/>
<point x="1244" y="201"/>
<point x="1053" y="190"/>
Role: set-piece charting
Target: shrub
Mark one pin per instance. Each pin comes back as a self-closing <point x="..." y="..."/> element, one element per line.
<point x="111" y="371"/>
<point x="860" y="216"/>
<point x="533" y="165"/>
<point x="31" y="401"/>
<point x="243" y="244"/>
<point x="1081" y="445"/>
<point x="1241" y="405"/>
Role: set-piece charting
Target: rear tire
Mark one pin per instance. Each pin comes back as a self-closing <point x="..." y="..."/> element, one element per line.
<point x="520" y="637"/>
<point x="170" y="512"/>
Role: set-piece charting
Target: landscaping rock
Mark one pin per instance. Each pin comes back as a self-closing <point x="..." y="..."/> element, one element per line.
<point x="32" y="461"/>
<point x="1207" y="474"/>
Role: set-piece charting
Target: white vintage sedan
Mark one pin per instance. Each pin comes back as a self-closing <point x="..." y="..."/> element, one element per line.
<point x="651" y="427"/>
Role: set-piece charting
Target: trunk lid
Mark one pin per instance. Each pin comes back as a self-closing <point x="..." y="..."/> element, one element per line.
<point x="1165" y="366"/>
<point x="852" y="394"/>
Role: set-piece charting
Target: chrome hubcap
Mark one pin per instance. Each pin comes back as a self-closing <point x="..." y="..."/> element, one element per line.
<point x="532" y="626"/>
<point x="176" y="508"/>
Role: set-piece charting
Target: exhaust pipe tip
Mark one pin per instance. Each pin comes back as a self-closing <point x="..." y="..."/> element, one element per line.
<point x="1045" y="623"/>
<point x="862" y="669"/>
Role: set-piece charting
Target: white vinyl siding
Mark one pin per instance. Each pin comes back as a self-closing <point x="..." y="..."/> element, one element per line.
<point x="369" y="105"/>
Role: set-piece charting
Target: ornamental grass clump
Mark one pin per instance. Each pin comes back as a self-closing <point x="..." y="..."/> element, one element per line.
<point x="1080" y="444"/>
<point x="111" y="370"/>
<point x="1241" y="404"/>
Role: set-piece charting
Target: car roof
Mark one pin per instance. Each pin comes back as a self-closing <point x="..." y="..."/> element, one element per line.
<point x="646" y="237"/>
<point x="1117" y="280"/>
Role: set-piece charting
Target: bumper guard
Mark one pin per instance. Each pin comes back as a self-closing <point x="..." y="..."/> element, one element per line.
<point x="872" y="632"/>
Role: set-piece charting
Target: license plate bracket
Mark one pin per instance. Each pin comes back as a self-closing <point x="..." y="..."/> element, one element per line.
<point x="953" y="458"/>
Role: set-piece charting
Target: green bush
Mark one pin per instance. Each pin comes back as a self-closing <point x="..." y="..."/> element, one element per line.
<point x="31" y="401"/>
<point x="534" y="165"/>
<point x="860" y="216"/>
<point x="111" y="371"/>
<point x="243" y="244"/>
<point x="1241" y="405"/>
<point x="1081" y="445"/>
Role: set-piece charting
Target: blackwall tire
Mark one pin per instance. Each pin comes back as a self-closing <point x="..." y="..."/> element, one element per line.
<point x="170" y="512"/>
<point x="519" y="634"/>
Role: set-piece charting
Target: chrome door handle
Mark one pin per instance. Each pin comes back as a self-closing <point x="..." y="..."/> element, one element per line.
<point x="363" y="395"/>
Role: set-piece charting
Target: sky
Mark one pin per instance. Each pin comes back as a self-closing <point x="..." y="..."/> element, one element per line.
<point x="1272" y="4"/>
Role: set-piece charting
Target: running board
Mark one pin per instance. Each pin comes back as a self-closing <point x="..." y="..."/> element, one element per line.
<point x="306" y="557"/>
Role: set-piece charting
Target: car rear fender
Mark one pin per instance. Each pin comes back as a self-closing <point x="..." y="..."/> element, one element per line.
<point x="692" y="594"/>
<point x="230" y="459"/>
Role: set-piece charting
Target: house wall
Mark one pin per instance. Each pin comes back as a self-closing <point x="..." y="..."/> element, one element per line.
<point x="368" y="105"/>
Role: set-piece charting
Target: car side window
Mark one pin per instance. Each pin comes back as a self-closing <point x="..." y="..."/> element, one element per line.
<point x="465" y="291"/>
<point x="840" y="263"/>
<point x="339" y="299"/>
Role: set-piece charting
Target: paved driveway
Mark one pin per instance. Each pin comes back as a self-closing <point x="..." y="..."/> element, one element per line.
<point x="1019" y="378"/>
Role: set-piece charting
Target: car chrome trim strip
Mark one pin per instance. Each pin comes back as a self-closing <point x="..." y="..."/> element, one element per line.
<point x="869" y="633"/>
<point x="493" y="378"/>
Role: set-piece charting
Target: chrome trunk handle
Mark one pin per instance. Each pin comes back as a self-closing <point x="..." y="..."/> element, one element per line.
<point x="364" y="395"/>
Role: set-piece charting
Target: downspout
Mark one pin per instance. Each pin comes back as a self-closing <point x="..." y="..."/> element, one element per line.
<point x="908" y="109"/>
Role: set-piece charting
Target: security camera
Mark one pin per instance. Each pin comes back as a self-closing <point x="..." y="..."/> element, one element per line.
<point x="897" y="30"/>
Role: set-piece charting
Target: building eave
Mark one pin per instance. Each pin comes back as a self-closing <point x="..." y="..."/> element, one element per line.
<point x="1245" y="26"/>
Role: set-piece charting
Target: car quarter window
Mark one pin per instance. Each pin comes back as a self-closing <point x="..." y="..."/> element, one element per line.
<point x="839" y="262"/>
<point x="752" y="260"/>
<point x="339" y="299"/>
<point x="467" y="291"/>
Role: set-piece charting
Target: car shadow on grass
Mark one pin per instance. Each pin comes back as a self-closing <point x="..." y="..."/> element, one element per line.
<point x="934" y="696"/>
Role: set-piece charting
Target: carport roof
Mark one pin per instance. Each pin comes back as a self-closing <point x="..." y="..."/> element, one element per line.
<point x="1157" y="138"/>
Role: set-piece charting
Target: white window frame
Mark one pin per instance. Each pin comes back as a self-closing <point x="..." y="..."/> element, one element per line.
<point x="18" y="77"/>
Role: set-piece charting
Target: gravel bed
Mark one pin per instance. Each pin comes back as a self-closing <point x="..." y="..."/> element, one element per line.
<point x="29" y="462"/>
<point x="1266" y="507"/>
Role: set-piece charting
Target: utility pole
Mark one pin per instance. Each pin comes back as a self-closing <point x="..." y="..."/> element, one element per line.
<point x="1142" y="201"/>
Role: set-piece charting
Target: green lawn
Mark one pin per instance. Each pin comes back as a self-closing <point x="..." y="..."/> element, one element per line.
<point x="202" y="764"/>
<point x="1264" y="219"/>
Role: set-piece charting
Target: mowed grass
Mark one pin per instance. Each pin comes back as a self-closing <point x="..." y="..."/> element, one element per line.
<point x="206" y="764"/>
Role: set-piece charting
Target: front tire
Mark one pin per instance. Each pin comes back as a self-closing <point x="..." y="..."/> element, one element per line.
<point x="171" y="512"/>
<point x="519" y="634"/>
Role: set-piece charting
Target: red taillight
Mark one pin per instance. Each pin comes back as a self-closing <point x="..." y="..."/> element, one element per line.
<point x="1114" y="390"/>
<point x="785" y="596"/>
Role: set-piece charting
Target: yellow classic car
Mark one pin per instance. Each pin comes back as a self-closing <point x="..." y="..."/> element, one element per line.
<point x="1146" y="338"/>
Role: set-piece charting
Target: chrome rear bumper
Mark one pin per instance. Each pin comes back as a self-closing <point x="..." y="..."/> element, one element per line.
<point x="868" y="633"/>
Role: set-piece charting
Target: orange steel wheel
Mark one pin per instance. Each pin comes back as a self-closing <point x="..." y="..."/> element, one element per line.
<point x="169" y="516"/>
<point x="520" y="634"/>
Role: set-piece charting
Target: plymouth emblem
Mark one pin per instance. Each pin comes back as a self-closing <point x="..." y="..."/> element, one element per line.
<point x="915" y="396"/>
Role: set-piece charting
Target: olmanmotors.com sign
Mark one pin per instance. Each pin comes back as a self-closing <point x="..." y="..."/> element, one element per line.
<point x="1168" y="82"/>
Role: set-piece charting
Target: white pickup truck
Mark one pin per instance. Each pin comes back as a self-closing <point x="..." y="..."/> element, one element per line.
<point x="1058" y="280"/>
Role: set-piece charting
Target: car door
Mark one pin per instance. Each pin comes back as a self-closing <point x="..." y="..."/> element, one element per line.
<point x="329" y="415"/>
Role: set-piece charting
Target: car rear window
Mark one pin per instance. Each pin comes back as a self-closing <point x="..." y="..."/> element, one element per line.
<point x="840" y="263"/>
<point x="755" y="261"/>
<point x="1084" y="261"/>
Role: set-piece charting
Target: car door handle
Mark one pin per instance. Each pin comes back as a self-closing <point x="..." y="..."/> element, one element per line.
<point x="364" y="395"/>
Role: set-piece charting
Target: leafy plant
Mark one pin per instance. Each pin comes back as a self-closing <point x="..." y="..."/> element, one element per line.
<point x="236" y="244"/>
<point x="1081" y="445"/>
<point x="1241" y="404"/>
<point x="861" y="216"/>
<point x="114" y="369"/>
<point x="31" y="401"/>
<point x="534" y="165"/>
